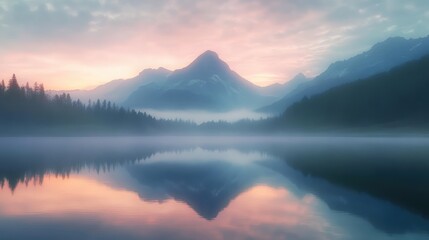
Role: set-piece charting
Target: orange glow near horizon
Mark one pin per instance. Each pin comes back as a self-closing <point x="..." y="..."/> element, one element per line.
<point x="79" y="74"/>
<point x="61" y="198"/>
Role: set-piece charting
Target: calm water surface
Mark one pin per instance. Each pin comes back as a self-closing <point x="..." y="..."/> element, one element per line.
<point x="214" y="188"/>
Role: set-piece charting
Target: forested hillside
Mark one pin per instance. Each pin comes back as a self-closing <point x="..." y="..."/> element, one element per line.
<point x="398" y="98"/>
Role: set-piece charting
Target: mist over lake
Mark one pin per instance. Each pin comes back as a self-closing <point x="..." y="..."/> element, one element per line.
<point x="199" y="116"/>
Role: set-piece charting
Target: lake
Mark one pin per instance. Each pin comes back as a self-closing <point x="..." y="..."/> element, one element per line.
<point x="214" y="188"/>
<point x="200" y="116"/>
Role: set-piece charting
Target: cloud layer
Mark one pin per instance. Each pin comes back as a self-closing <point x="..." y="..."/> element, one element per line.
<point x="83" y="43"/>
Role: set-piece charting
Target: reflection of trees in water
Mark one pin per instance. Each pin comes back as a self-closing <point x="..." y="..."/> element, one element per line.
<point x="38" y="167"/>
<point x="29" y="162"/>
<point x="15" y="175"/>
<point x="26" y="160"/>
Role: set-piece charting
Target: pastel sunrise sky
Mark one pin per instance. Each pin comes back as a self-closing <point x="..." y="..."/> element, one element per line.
<point x="69" y="44"/>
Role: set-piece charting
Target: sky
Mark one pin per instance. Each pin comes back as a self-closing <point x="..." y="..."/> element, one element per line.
<point x="79" y="44"/>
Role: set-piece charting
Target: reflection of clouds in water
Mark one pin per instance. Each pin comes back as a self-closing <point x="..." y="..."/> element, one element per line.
<point x="275" y="212"/>
<point x="205" y="116"/>
<point x="253" y="215"/>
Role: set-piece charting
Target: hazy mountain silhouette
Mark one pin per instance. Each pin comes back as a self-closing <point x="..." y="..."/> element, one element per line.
<point x="207" y="83"/>
<point x="118" y="90"/>
<point x="380" y="58"/>
<point x="398" y="98"/>
<point x="282" y="89"/>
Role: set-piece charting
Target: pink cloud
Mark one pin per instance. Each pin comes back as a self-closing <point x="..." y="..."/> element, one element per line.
<point x="83" y="45"/>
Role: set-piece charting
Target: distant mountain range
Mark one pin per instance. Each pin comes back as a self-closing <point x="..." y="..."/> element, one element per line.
<point x="209" y="84"/>
<point x="283" y="89"/>
<point x="119" y="90"/>
<point x="380" y="58"/>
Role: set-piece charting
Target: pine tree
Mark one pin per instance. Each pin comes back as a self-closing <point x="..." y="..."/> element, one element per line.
<point x="2" y="88"/>
<point x="13" y="88"/>
<point x="28" y="90"/>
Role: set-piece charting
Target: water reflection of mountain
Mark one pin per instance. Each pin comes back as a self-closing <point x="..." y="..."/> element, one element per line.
<point x="207" y="187"/>
<point x="374" y="180"/>
<point x="395" y="171"/>
<point x="382" y="214"/>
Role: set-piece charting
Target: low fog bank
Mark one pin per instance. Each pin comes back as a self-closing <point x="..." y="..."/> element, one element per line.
<point x="198" y="116"/>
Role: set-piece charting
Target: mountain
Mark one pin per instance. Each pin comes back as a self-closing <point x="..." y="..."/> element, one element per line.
<point x="118" y="90"/>
<point x="280" y="90"/>
<point x="207" y="83"/>
<point x="398" y="98"/>
<point x="380" y="58"/>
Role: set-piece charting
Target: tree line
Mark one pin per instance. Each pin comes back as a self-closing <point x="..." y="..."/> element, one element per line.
<point x="30" y="109"/>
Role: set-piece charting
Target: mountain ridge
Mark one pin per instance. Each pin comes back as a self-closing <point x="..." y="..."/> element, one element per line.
<point x="209" y="62"/>
<point x="367" y="103"/>
<point x="118" y="90"/>
<point x="207" y="83"/>
<point x="381" y="57"/>
<point x="282" y="89"/>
